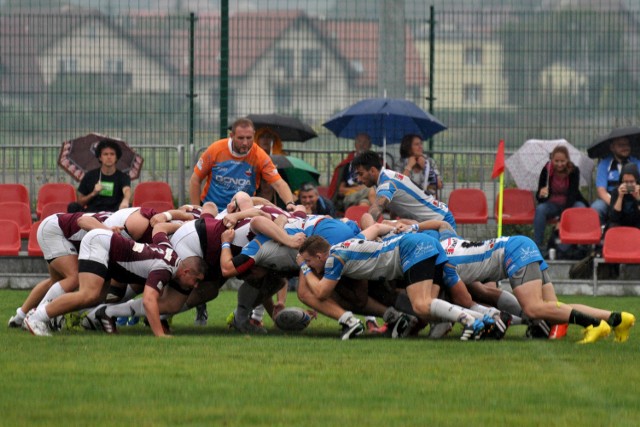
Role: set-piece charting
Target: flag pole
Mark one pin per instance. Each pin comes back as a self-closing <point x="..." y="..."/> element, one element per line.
<point x="500" y="196"/>
<point x="498" y="171"/>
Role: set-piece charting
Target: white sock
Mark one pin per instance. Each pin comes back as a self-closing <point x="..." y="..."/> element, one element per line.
<point x="447" y="311"/>
<point x="372" y="318"/>
<point x="20" y="315"/>
<point x="132" y="308"/>
<point x="490" y="311"/>
<point x="473" y="313"/>
<point x="345" y="316"/>
<point x="54" y="292"/>
<point x="258" y="313"/>
<point x="41" y="314"/>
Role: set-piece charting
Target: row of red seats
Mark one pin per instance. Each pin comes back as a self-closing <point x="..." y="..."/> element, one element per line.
<point x="15" y="209"/>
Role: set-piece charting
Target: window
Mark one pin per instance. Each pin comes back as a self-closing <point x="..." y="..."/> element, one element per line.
<point x="114" y="66"/>
<point x="282" y="95"/>
<point x="67" y="65"/>
<point x="311" y="61"/>
<point x="284" y="61"/>
<point x="473" y="56"/>
<point x="472" y="94"/>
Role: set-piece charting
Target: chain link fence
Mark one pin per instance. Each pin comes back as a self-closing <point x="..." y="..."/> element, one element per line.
<point x="171" y="77"/>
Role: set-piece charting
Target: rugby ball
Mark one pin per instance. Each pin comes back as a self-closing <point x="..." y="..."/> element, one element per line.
<point x="292" y="319"/>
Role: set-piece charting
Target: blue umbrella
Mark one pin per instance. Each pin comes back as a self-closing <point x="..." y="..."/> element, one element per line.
<point x="384" y="120"/>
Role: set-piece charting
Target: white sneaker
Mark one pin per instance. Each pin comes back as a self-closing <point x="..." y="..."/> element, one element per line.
<point x="15" y="322"/>
<point x="36" y="327"/>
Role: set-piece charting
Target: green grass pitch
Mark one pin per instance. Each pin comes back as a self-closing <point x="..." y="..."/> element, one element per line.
<point x="210" y="376"/>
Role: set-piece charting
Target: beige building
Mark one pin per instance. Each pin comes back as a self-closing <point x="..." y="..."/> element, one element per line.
<point x="468" y="74"/>
<point x="95" y="48"/>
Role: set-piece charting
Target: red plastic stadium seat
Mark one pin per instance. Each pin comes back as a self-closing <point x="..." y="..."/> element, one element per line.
<point x="53" y="208"/>
<point x="10" y="241"/>
<point x="14" y="193"/>
<point x="468" y="206"/>
<point x="18" y="212"/>
<point x="518" y="206"/>
<point x="580" y="226"/>
<point x="158" y="205"/>
<point x="621" y="245"/>
<point x="57" y="192"/>
<point x="355" y="213"/>
<point x="152" y="191"/>
<point x="33" y="248"/>
<point x="323" y="190"/>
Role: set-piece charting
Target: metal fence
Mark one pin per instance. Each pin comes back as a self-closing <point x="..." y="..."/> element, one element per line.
<point x="172" y="77"/>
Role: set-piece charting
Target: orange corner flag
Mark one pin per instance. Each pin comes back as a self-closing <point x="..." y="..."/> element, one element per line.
<point x="498" y="166"/>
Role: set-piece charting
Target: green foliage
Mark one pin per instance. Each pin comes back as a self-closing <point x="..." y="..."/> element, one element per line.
<point x="212" y="376"/>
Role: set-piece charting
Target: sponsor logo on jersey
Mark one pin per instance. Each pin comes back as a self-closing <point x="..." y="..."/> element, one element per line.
<point x="231" y="181"/>
<point x="199" y="164"/>
<point x="329" y="263"/>
<point x="528" y="253"/>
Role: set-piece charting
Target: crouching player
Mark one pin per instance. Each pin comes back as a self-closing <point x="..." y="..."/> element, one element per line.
<point x="107" y="255"/>
<point x="518" y="259"/>
<point x="417" y="258"/>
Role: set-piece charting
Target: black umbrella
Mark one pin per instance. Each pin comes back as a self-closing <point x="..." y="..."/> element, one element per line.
<point x="600" y="147"/>
<point x="288" y="128"/>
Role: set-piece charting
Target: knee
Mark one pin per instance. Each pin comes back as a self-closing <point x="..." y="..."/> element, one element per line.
<point x="89" y="298"/>
<point x="421" y="307"/>
<point x="533" y="311"/>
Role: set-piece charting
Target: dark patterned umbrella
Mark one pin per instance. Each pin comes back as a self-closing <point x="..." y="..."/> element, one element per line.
<point x="77" y="156"/>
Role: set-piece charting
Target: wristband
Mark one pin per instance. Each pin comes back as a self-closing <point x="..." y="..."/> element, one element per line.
<point x="168" y="216"/>
<point x="305" y="268"/>
<point x="290" y="203"/>
<point x="226" y="245"/>
<point x="415" y="227"/>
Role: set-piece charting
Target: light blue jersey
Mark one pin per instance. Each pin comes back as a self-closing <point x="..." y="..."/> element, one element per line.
<point x="388" y="259"/>
<point x="331" y="229"/>
<point x="490" y="260"/>
<point x="408" y="201"/>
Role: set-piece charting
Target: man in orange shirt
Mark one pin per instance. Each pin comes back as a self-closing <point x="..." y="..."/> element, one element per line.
<point x="231" y="165"/>
<point x="235" y="164"/>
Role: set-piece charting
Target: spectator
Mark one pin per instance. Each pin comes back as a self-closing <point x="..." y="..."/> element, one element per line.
<point x="233" y="164"/>
<point x="269" y="141"/>
<point x="558" y="189"/>
<point x="625" y="200"/>
<point x="344" y="189"/>
<point x="421" y="168"/>
<point x="608" y="174"/>
<point x="105" y="188"/>
<point x="313" y="202"/>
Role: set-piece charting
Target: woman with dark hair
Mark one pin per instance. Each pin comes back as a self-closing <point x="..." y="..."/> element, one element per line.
<point x="419" y="167"/>
<point x="558" y="189"/>
<point x="625" y="200"/>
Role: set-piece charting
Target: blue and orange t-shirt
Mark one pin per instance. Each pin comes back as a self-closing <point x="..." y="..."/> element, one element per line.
<point x="226" y="174"/>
